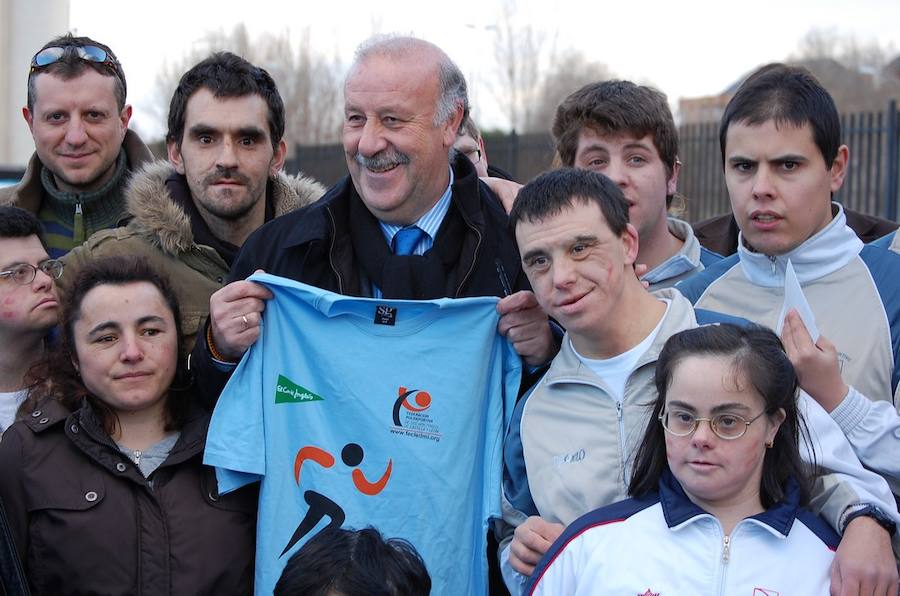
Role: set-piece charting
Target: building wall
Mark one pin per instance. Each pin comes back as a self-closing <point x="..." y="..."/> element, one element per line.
<point x="25" y="25"/>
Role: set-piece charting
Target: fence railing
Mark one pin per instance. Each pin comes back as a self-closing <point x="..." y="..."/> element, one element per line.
<point x="872" y="184"/>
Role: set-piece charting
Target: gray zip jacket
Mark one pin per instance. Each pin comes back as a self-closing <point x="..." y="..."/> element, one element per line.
<point x="570" y="446"/>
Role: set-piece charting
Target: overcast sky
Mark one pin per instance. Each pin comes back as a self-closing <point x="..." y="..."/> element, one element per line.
<point x="686" y="49"/>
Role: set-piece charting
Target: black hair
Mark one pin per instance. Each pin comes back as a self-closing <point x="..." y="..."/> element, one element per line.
<point x="788" y="95"/>
<point x="71" y="65"/>
<point x="551" y="192"/>
<point x="226" y="75"/>
<point x="758" y="358"/>
<point x="354" y="563"/>
<point x="16" y="222"/>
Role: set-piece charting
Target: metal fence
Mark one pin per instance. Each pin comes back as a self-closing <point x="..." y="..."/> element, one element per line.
<point x="872" y="184"/>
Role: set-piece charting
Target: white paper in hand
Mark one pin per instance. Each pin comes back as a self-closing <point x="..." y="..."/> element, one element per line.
<point x="794" y="298"/>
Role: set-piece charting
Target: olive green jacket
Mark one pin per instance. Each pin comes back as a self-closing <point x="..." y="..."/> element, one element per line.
<point x="160" y="229"/>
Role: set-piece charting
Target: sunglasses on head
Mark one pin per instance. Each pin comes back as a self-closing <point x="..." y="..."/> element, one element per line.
<point x="88" y="53"/>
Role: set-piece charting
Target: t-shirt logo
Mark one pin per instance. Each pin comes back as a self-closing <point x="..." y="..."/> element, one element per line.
<point x="411" y="417"/>
<point x="321" y="506"/>
<point x="289" y="392"/>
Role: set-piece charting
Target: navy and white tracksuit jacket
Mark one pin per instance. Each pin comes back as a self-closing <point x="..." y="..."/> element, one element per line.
<point x="664" y="545"/>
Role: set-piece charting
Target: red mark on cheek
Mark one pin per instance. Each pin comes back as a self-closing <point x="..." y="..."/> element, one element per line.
<point x="8" y="300"/>
<point x="7" y="314"/>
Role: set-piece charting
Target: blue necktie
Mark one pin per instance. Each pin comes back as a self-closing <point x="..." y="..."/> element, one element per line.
<point x="406" y="239"/>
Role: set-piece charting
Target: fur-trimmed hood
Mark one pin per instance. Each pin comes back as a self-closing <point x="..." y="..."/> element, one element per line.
<point x="164" y="224"/>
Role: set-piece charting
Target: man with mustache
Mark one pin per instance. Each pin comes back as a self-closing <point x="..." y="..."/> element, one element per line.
<point x="84" y="152"/>
<point x="223" y="180"/>
<point x="406" y="223"/>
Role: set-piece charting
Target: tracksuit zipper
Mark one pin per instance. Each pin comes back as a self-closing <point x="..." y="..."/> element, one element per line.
<point x="621" y="435"/>
<point x="726" y="554"/>
<point x="772" y="261"/>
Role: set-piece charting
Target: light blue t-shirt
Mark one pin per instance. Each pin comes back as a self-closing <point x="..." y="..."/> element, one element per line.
<point x="388" y="413"/>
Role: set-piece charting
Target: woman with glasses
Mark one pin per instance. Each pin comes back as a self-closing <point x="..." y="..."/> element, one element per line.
<point x="718" y="485"/>
<point x="103" y="482"/>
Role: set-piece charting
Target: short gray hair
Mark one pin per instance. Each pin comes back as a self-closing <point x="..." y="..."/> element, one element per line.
<point x="454" y="92"/>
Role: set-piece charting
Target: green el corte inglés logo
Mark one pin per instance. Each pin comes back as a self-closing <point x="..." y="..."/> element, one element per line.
<point x="289" y="392"/>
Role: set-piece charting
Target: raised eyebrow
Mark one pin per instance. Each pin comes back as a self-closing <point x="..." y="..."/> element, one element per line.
<point x="253" y="132"/>
<point x="582" y="238"/>
<point x="730" y="408"/>
<point x="682" y="405"/>
<point x="595" y="147"/>
<point x="104" y="326"/>
<point x="151" y="319"/>
<point x="789" y="157"/>
<point x="202" y="129"/>
<point x="537" y="252"/>
<point x="112" y="325"/>
<point x="638" y="145"/>
<point x="740" y="159"/>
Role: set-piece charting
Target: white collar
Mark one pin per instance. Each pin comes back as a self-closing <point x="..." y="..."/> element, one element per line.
<point x="831" y="248"/>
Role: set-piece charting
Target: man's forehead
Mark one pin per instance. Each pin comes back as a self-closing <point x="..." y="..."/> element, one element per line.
<point x="597" y="136"/>
<point x="204" y="109"/>
<point x="24" y="249"/>
<point x="787" y="138"/>
<point x="383" y="73"/>
<point x="50" y="87"/>
<point x="580" y="217"/>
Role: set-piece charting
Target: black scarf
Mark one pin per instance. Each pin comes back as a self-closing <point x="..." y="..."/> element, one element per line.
<point x="411" y="277"/>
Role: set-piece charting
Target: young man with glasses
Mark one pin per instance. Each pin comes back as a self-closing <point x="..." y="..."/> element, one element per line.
<point x="572" y="439"/>
<point x="28" y="304"/>
<point x="84" y="152"/>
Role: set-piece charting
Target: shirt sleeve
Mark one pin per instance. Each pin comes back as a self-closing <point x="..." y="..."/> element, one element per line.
<point x="873" y="429"/>
<point x="844" y="483"/>
<point x="235" y="444"/>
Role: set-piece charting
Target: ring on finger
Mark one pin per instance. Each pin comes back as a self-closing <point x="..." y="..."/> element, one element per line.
<point x="246" y="322"/>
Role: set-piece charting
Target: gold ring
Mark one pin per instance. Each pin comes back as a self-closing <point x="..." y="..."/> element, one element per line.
<point x="246" y="322"/>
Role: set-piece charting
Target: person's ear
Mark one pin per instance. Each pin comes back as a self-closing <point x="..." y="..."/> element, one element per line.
<point x="775" y="421"/>
<point x="672" y="182"/>
<point x="174" y="151"/>
<point x="839" y="168"/>
<point x="630" y="242"/>
<point x="278" y="158"/>
<point x="29" y="118"/>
